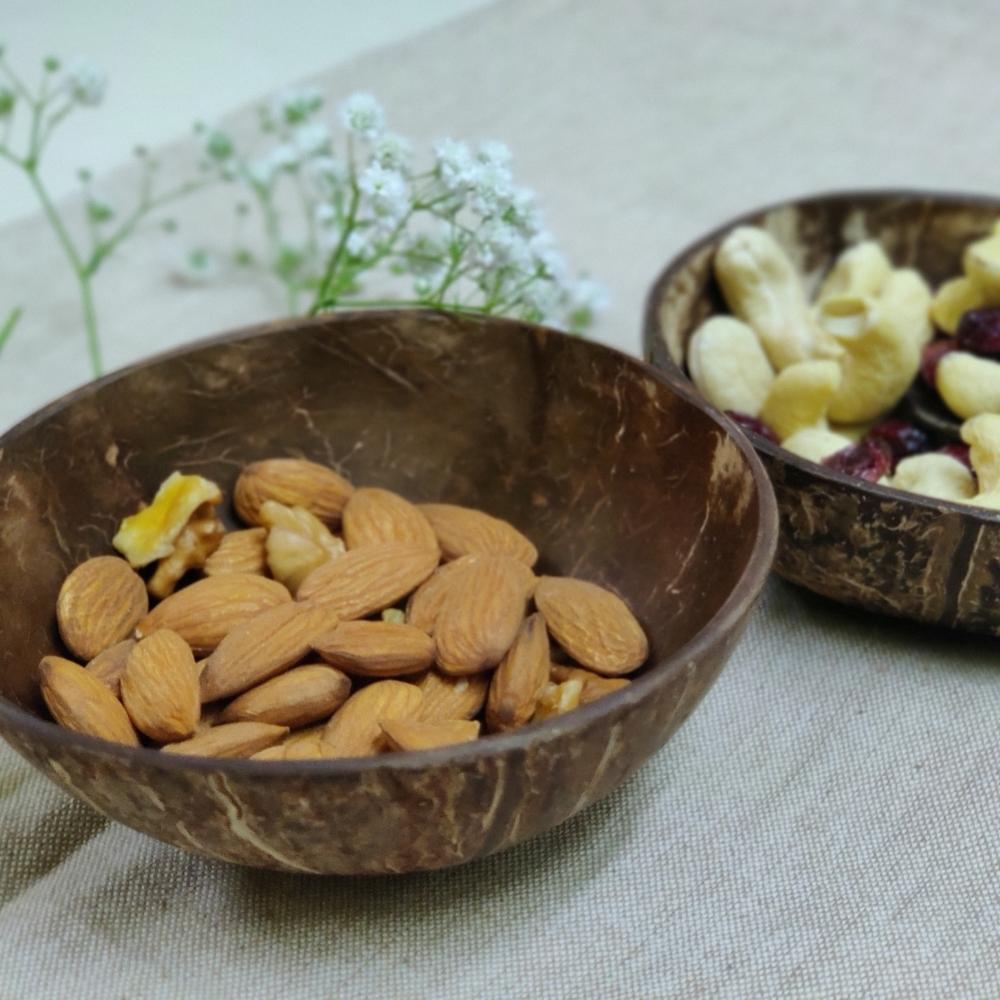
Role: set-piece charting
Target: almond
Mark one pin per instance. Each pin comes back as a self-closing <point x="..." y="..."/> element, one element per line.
<point x="463" y="530"/>
<point x="239" y="552"/>
<point x="375" y="516"/>
<point x="479" y="620"/>
<point x="295" y="482"/>
<point x="451" y="697"/>
<point x="99" y="604"/>
<point x="302" y="695"/>
<point x="594" y="685"/>
<point x="376" y="649"/>
<point x="160" y="688"/>
<point x="593" y="625"/>
<point x="204" y="613"/>
<point x="355" y="730"/>
<point x="368" y="579"/>
<point x="305" y="744"/>
<point x="297" y="542"/>
<point x="235" y="739"/>
<point x="520" y="679"/>
<point x="263" y="646"/>
<point x="277" y="752"/>
<point x="558" y="699"/>
<point x="109" y="665"/>
<point x="406" y="734"/>
<point x="81" y="702"/>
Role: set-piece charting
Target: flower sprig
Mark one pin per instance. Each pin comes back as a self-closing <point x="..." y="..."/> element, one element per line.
<point x="60" y="92"/>
<point x="457" y="227"/>
<point x="7" y="327"/>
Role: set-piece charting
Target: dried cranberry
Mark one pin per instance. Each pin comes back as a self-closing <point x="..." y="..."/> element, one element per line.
<point x="869" y="459"/>
<point x="902" y="438"/>
<point x="754" y="424"/>
<point x="959" y="451"/>
<point x="979" y="332"/>
<point x="933" y="353"/>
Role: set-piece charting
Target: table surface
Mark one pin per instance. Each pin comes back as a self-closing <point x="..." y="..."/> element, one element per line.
<point x="822" y="825"/>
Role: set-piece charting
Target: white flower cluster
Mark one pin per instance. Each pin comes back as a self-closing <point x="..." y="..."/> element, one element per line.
<point x="459" y="225"/>
<point x="86" y="82"/>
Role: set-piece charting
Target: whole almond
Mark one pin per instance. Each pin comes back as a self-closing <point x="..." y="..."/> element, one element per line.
<point x="204" y="613"/>
<point x="109" y="665"/>
<point x="81" y="702"/>
<point x="99" y="604"/>
<point x="302" y="695"/>
<point x="235" y="739"/>
<point x="160" y="688"/>
<point x="451" y="697"/>
<point x="594" y="685"/>
<point x="463" y="530"/>
<point x="520" y="679"/>
<point x="239" y="552"/>
<point x="295" y="482"/>
<point x="593" y="625"/>
<point x="263" y="646"/>
<point x="376" y="649"/>
<point x="355" y="730"/>
<point x="375" y="516"/>
<point x="368" y="579"/>
<point x="479" y="620"/>
<point x="277" y="752"/>
<point x="558" y="699"/>
<point x="406" y="734"/>
<point x="305" y="744"/>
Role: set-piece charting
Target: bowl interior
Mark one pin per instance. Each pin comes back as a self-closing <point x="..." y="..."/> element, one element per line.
<point x="617" y="477"/>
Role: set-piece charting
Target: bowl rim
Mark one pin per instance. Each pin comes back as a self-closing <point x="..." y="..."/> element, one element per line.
<point x="654" y="349"/>
<point x="741" y="598"/>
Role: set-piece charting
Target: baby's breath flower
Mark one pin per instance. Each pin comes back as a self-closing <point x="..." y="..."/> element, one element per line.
<point x="195" y="266"/>
<point x="363" y="115"/>
<point x="261" y="172"/>
<point x="324" y="175"/>
<point x="312" y="139"/>
<point x="522" y="211"/>
<point x="454" y="164"/>
<point x="361" y="245"/>
<point x="492" y="189"/>
<point x="499" y="245"/>
<point x="284" y="157"/>
<point x="87" y="82"/>
<point x="218" y="145"/>
<point x="494" y="153"/>
<point x="294" y="106"/>
<point x="393" y="152"/>
<point x="552" y="262"/>
<point x="325" y="215"/>
<point x="99" y="211"/>
<point x="386" y="191"/>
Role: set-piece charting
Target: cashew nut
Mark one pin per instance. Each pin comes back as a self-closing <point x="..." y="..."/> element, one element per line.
<point x="968" y="384"/>
<point x="881" y="357"/>
<point x="934" y="475"/>
<point x="982" y="435"/>
<point x="981" y="261"/>
<point x="800" y="396"/>
<point x="862" y="270"/>
<point x="815" y="443"/>
<point x="907" y="297"/>
<point x="953" y="299"/>
<point x="729" y="366"/>
<point x="764" y="289"/>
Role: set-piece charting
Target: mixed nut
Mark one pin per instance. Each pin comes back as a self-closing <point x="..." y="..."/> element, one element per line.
<point x="823" y="377"/>
<point x="410" y="629"/>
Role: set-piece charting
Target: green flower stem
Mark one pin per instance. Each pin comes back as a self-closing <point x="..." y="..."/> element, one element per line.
<point x="323" y="292"/>
<point x="8" y="326"/>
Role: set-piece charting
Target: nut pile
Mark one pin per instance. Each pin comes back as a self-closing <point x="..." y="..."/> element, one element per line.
<point x="822" y="377"/>
<point x="412" y="628"/>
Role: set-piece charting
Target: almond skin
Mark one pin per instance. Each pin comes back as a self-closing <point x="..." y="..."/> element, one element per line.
<point x="376" y="649"/>
<point x="594" y="685"/>
<point x="99" y="604"/>
<point x="375" y="516"/>
<point x="109" y="665"/>
<point x="593" y="625"/>
<point x="81" y="702"/>
<point x="451" y="697"/>
<point x="305" y="744"/>
<point x="204" y="613"/>
<point x="277" y="752"/>
<point x="368" y="579"/>
<point x="160" y="688"/>
<point x="239" y="552"/>
<point x="406" y="734"/>
<point x="480" y="619"/>
<point x="262" y="647"/>
<point x="464" y="530"/>
<point x="295" y="482"/>
<point x="297" y="698"/>
<point x="355" y="729"/>
<point x="520" y="679"/>
<point x="235" y="739"/>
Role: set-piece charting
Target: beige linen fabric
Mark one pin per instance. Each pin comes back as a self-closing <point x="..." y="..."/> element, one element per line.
<point x="823" y="825"/>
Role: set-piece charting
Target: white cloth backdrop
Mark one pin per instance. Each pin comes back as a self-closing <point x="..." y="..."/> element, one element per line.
<point x="824" y="824"/>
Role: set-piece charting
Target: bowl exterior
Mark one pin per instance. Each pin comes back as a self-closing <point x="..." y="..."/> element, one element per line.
<point x="618" y="476"/>
<point x="868" y="546"/>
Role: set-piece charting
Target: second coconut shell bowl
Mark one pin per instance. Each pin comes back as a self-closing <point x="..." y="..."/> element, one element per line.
<point x="866" y="545"/>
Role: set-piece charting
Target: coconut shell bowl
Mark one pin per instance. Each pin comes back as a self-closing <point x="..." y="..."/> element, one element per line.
<point x="857" y="542"/>
<point x="617" y="474"/>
